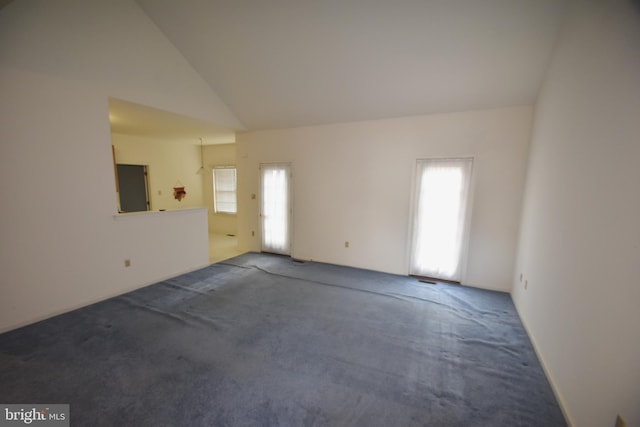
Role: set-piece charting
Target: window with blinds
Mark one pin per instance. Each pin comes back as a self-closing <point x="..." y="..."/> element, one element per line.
<point x="224" y="190"/>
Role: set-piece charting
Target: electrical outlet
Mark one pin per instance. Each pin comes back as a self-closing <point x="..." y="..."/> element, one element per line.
<point x="127" y="263"/>
<point x="253" y="233"/>
<point x="520" y="277"/>
<point x="526" y="284"/>
<point x="346" y="244"/>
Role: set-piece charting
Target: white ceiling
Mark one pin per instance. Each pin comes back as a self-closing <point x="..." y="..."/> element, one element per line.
<point x="288" y="63"/>
<point x="139" y="120"/>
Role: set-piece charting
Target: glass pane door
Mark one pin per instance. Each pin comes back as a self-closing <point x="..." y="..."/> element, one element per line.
<point x="276" y="208"/>
<point x="442" y="187"/>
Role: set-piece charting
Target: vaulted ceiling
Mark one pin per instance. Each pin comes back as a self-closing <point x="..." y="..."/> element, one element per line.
<point x="289" y="63"/>
<point x="140" y="120"/>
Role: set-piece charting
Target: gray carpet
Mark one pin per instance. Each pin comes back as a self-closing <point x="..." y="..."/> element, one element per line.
<point x="261" y="340"/>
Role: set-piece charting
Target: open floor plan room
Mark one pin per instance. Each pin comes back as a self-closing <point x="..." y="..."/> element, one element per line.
<point x="263" y="340"/>
<point x="286" y="213"/>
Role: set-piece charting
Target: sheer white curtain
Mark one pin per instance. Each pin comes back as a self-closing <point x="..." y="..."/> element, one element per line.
<point x="442" y="188"/>
<point x="275" y="208"/>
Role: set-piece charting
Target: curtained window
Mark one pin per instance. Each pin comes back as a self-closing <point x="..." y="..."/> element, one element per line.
<point x="275" y="208"/>
<point x="442" y="188"/>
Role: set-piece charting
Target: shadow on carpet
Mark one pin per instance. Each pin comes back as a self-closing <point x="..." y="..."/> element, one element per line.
<point x="260" y="340"/>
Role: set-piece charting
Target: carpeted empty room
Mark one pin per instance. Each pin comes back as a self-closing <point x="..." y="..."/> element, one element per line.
<point x="264" y="340"/>
<point x="320" y="213"/>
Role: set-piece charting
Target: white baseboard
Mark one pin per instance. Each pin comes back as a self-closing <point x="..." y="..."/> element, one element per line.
<point x="54" y="313"/>
<point x="536" y="348"/>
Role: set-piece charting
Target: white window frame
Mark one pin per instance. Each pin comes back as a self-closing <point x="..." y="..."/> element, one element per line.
<point x="216" y="196"/>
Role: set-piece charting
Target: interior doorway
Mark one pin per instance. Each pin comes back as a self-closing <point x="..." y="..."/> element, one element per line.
<point x="133" y="188"/>
<point x="275" y="208"/>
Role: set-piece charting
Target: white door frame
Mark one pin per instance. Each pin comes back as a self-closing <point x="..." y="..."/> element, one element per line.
<point x="289" y="226"/>
<point x="464" y="249"/>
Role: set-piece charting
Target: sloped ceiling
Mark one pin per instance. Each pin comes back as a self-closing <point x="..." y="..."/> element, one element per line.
<point x="140" y="120"/>
<point x="289" y="63"/>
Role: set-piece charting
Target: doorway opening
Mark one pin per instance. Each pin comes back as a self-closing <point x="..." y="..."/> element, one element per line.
<point x="133" y="188"/>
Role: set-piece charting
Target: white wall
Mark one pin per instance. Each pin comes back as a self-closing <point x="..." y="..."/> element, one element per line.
<point x="579" y="248"/>
<point x="60" y="246"/>
<point x="219" y="155"/>
<point x="353" y="182"/>
<point x="168" y="163"/>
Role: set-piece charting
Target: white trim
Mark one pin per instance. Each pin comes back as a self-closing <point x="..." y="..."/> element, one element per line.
<point x="146" y="214"/>
<point x="289" y="168"/>
<point x="214" y="197"/>
<point x="92" y="301"/>
<point x="464" y="244"/>
<point x="547" y="372"/>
